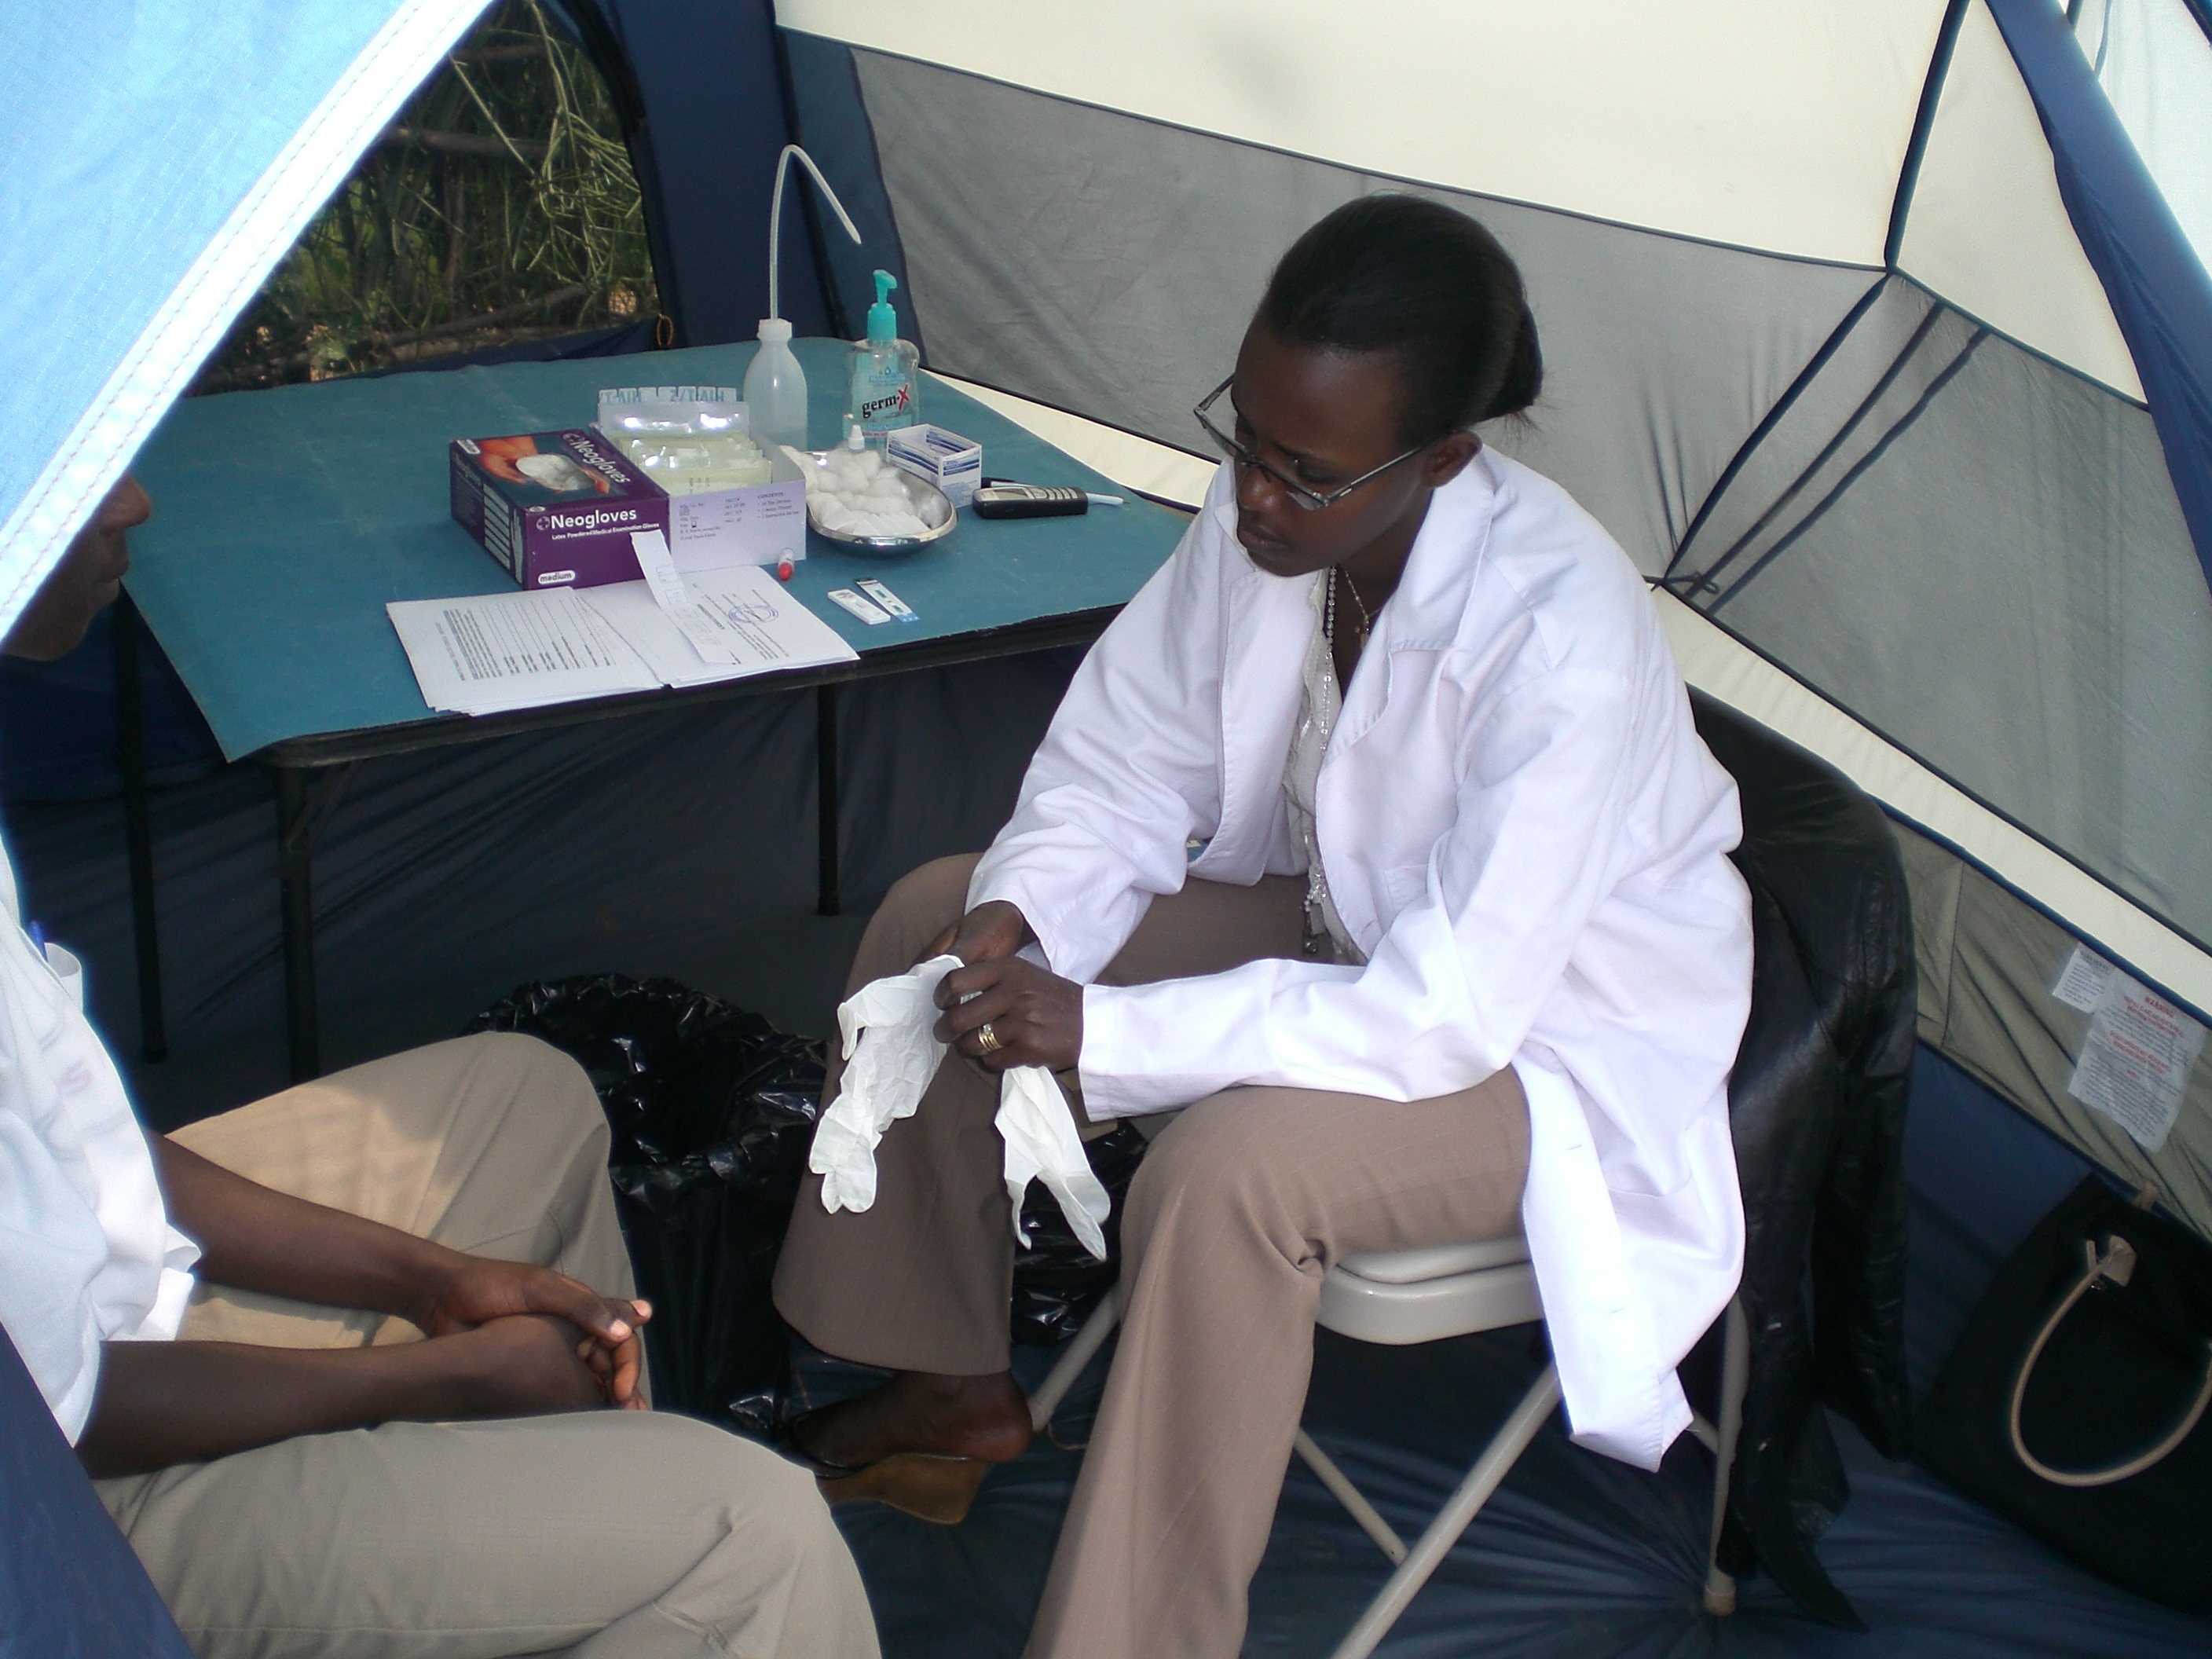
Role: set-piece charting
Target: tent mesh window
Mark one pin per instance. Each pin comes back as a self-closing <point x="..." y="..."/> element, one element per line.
<point x="499" y="207"/>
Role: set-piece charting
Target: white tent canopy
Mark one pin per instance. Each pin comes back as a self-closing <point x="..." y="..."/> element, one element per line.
<point x="1826" y="350"/>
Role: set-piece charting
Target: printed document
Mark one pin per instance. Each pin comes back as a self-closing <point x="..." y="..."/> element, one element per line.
<point x="733" y="622"/>
<point x="490" y="652"/>
<point x="487" y="653"/>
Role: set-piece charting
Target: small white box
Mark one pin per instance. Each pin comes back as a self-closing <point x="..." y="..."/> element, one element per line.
<point x="952" y="463"/>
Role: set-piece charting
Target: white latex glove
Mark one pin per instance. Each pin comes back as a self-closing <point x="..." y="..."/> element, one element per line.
<point x="891" y="1053"/>
<point x="1042" y="1144"/>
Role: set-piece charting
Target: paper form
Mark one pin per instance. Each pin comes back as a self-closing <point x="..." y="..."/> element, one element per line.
<point x="757" y="625"/>
<point x="494" y="652"/>
<point x="489" y="653"/>
<point x="666" y="583"/>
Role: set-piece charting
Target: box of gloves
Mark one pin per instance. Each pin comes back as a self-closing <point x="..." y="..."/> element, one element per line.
<point x="555" y="509"/>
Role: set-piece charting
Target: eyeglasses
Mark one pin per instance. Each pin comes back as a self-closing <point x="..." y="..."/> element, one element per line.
<point x="1312" y="501"/>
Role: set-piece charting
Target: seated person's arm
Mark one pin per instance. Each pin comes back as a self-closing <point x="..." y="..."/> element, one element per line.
<point x="510" y="1338"/>
<point x="255" y="1238"/>
<point x="161" y="1403"/>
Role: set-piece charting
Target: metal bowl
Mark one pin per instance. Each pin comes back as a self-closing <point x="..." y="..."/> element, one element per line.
<point x="926" y="497"/>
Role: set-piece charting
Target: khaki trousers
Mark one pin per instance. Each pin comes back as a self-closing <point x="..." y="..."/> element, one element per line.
<point x="1238" y="1209"/>
<point x="601" y="1533"/>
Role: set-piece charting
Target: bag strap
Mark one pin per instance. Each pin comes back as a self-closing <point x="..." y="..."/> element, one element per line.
<point x="2118" y="1263"/>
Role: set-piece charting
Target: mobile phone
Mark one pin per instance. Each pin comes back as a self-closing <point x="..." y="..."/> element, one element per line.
<point x="998" y="499"/>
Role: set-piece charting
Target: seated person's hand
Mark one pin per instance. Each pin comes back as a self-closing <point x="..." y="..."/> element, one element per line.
<point x="1034" y="1016"/>
<point x="477" y="1291"/>
<point x="987" y="933"/>
<point x="531" y="1365"/>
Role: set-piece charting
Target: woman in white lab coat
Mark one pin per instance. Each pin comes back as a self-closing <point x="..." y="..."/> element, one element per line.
<point x="1456" y="950"/>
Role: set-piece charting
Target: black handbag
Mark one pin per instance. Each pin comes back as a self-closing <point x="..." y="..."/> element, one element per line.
<point x="2074" y="1401"/>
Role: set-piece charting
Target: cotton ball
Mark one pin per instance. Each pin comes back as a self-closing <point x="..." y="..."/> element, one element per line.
<point x="935" y="510"/>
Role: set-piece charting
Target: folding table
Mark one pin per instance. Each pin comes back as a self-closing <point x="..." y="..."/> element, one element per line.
<point x="284" y="520"/>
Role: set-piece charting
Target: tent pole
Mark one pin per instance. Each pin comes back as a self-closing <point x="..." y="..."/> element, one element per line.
<point x="828" y="901"/>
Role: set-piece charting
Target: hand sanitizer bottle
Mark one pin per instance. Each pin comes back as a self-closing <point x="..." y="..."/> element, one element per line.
<point x="885" y="374"/>
<point x="776" y="389"/>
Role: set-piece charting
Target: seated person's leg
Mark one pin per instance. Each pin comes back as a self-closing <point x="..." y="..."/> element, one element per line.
<point x="493" y="1145"/>
<point x="1237" y="1212"/>
<point x="919" y="1283"/>
<point x="609" y="1535"/>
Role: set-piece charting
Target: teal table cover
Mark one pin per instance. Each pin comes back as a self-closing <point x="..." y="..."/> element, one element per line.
<point x="284" y="521"/>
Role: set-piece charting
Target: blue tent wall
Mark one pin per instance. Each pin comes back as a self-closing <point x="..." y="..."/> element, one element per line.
<point x="711" y="120"/>
<point x="2161" y="294"/>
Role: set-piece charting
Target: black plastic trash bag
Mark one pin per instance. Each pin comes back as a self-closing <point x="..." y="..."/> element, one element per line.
<point x="1056" y="1282"/>
<point x="712" y="1110"/>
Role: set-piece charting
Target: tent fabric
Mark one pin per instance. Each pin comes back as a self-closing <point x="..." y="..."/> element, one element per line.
<point x="69" y="1587"/>
<point x="828" y="119"/>
<point x="1987" y="228"/>
<point x="2154" y="60"/>
<point x="1987" y="962"/>
<point x="1989" y="567"/>
<point x="1982" y="557"/>
<point x="1804" y="110"/>
<point x="2159" y="290"/>
<point x="140" y="215"/>
<point x="704" y="149"/>
<point x="1149" y="245"/>
<point x="1804" y="119"/>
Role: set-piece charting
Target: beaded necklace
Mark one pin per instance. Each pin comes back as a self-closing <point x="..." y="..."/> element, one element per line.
<point x="1328" y="610"/>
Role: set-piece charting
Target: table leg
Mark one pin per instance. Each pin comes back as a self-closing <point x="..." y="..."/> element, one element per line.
<point x="306" y="797"/>
<point x="138" y="831"/>
<point x="295" y="889"/>
<point x="828" y="901"/>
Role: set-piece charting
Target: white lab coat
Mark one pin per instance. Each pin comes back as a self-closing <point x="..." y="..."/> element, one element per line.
<point x="1521" y="830"/>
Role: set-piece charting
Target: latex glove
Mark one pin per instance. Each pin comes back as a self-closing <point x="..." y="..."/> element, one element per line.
<point x="1042" y="1144"/>
<point x="891" y="1055"/>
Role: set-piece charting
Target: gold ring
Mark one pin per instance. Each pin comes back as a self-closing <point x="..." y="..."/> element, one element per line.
<point x="988" y="1038"/>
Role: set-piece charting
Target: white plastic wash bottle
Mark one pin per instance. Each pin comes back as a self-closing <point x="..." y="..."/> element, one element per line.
<point x="775" y="388"/>
<point x="885" y="379"/>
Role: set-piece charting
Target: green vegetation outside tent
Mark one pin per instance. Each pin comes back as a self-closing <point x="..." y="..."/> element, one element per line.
<point x="499" y="206"/>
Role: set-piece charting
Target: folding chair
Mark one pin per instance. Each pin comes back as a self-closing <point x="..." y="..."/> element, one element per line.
<point x="1400" y="1297"/>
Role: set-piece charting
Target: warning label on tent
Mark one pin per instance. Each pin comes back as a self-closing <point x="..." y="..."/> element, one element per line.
<point x="2136" y="1059"/>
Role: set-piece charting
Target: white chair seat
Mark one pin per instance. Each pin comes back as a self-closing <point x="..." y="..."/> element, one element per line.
<point x="1421" y="1296"/>
<point x="1436" y="1261"/>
